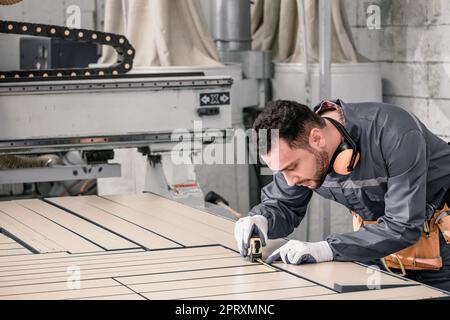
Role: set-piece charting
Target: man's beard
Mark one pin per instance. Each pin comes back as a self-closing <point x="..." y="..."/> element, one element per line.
<point x="323" y="163"/>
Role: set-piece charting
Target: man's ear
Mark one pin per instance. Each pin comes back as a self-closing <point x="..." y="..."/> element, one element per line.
<point x="316" y="138"/>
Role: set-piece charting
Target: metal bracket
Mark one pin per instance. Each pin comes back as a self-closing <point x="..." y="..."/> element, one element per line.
<point x="60" y="173"/>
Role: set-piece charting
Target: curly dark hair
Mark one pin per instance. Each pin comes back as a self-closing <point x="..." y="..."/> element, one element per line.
<point x="293" y="120"/>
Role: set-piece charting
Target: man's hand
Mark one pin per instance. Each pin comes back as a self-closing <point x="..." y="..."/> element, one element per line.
<point x="298" y="252"/>
<point x="247" y="227"/>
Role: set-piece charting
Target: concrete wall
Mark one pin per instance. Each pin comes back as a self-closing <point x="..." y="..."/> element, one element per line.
<point x="43" y="11"/>
<point x="413" y="47"/>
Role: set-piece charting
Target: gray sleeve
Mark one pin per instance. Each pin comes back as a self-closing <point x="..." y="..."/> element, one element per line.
<point x="405" y="201"/>
<point x="283" y="206"/>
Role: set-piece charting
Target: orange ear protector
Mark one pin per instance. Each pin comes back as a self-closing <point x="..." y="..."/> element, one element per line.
<point x="347" y="155"/>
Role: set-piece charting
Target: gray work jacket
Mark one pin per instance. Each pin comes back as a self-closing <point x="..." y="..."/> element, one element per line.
<point x="402" y="167"/>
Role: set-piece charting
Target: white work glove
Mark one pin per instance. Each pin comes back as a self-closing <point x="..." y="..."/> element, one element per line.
<point x="248" y="227"/>
<point x="298" y="252"/>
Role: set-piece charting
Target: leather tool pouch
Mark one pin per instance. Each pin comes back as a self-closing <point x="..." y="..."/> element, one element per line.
<point x="442" y="220"/>
<point x="423" y="255"/>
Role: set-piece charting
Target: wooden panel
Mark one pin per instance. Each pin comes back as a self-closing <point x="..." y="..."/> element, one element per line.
<point x="95" y="234"/>
<point x="226" y="289"/>
<point x="6" y="261"/>
<point x="33" y="239"/>
<point x="72" y="294"/>
<point x="213" y="261"/>
<point x="60" y="286"/>
<point x="184" y="234"/>
<point x="109" y="256"/>
<point x="126" y="271"/>
<point x="65" y="238"/>
<point x="160" y="204"/>
<point x="168" y="224"/>
<point x="133" y="232"/>
<point x="273" y="245"/>
<point x="17" y="260"/>
<point x="5" y="240"/>
<point x="100" y="264"/>
<point x="14" y="252"/>
<point x="8" y="246"/>
<point x="213" y="228"/>
<point x="187" y="273"/>
<point x="200" y="274"/>
<point x="343" y="273"/>
<point x="87" y="254"/>
<point x="404" y="293"/>
<point x="313" y="291"/>
<point x="218" y="282"/>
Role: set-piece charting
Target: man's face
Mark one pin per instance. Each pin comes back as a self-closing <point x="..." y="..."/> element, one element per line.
<point x="302" y="167"/>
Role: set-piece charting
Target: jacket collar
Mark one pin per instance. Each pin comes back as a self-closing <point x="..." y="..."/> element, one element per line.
<point x="348" y="116"/>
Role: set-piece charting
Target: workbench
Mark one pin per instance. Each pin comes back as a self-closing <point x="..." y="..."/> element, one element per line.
<point x="147" y="247"/>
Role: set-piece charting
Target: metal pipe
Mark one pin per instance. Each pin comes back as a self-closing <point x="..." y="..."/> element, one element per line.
<point x="325" y="90"/>
<point x="231" y="25"/>
<point x="304" y="34"/>
<point x="325" y="48"/>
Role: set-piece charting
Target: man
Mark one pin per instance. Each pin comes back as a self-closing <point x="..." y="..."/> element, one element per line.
<point x="401" y="168"/>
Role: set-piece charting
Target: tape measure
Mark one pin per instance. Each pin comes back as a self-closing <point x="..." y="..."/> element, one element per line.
<point x="125" y="52"/>
<point x="254" y="251"/>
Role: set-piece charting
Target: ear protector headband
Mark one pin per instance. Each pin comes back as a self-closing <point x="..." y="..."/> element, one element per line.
<point x="347" y="155"/>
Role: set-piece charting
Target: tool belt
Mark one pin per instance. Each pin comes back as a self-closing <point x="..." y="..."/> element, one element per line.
<point x="425" y="253"/>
